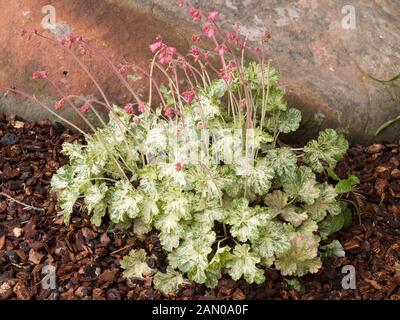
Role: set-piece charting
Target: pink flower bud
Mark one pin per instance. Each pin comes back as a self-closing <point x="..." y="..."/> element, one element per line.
<point x="212" y="16"/>
<point x="37" y="75"/>
<point x="208" y="30"/>
<point x="128" y="108"/>
<point x="85" y="108"/>
<point x="195" y="14"/>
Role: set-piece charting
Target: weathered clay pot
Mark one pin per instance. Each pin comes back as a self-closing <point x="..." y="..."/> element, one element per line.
<point x="324" y="65"/>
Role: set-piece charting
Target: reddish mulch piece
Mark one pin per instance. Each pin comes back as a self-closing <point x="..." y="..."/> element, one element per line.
<point x="87" y="258"/>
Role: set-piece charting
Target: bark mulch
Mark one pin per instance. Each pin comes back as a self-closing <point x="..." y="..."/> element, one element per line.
<point x="87" y="258"/>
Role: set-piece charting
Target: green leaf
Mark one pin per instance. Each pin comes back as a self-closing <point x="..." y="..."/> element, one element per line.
<point x="216" y="265"/>
<point x="386" y="125"/>
<point x="329" y="148"/>
<point x="276" y="102"/>
<point x="282" y="160"/>
<point x="277" y="202"/>
<point x="396" y="77"/>
<point x="244" y="220"/>
<point x="348" y="218"/>
<point x="334" y="249"/>
<point x="135" y="265"/>
<point x="243" y="263"/>
<point x="301" y="258"/>
<point x="191" y="258"/>
<point x="294" y="283"/>
<point x="170" y="239"/>
<point x="66" y="201"/>
<point x="332" y="174"/>
<point x="274" y="238"/>
<point x="324" y="204"/>
<point x="258" y="176"/>
<point x="301" y="185"/>
<point x="346" y="185"/>
<point x="168" y="282"/>
<point x="331" y="225"/>
<point x="95" y="195"/>
<point x="123" y="202"/>
<point x="62" y="179"/>
<point x="74" y="151"/>
<point x="289" y="120"/>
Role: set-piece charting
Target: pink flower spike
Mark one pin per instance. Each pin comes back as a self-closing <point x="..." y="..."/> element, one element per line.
<point x="195" y="14"/>
<point x="180" y="3"/>
<point x="128" y="108"/>
<point x="85" y="108"/>
<point x="212" y="16"/>
<point x="37" y="75"/>
<point x="208" y="30"/>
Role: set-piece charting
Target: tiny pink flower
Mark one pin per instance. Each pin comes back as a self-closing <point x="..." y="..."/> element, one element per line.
<point x="195" y="14"/>
<point x="221" y="50"/>
<point x="266" y="36"/>
<point x="189" y="95"/>
<point x="123" y="68"/>
<point x="82" y="50"/>
<point x="232" y="36"/>
<point x="183" y="63"/>
<point x="37" y="75"/>
<point x="180" y="3"/>
<point x="136" y="120"/>
<point x="195" y="37"/>
<point x="128" y="108"/>
<point x="166" y="55"/>
<point x="169" y="112"/>
<point x="58" y="105"/>
<point x="227" y="74"/>
<point x="212" y="16"/>
<point x="208" y="30"/>
<point x="141" y="107"/>
<point x="156" y="46"/>
<point x="178" y="166"/>
<point x="22" y="32"/>
<point x="85" y="108"/>
<point x="196" y="54"/>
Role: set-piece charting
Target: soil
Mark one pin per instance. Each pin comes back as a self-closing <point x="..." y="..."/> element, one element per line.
<point x="32" y="233"/>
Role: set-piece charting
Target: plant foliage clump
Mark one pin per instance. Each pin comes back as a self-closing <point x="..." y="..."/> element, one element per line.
<point x="212" y="218"/>
<point x="199" y="160"/>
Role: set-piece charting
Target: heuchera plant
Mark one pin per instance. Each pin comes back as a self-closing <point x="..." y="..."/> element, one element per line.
<point x="262" y="205"/>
